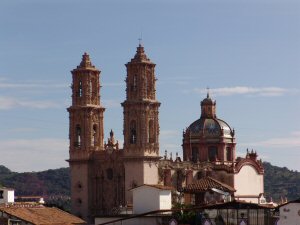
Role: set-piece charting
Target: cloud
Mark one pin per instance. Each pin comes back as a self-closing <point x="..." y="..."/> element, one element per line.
<point x="22" y="129"/>
<point x="10" y="103"/>
<point x="176" y="80"/>
<point x="292" y="141"/>
<point x="42" y="85"/>
<point x="248" y="91"/>
<point x="34" y="154"/>
<point x="169" y="133"/>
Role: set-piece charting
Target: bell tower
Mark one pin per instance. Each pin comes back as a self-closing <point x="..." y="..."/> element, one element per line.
<point x="85" y="132"/>
<point x="141" y="124"/>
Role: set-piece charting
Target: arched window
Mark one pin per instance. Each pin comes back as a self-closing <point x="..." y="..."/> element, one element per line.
<point x="151" y="137"/>
<point x="77" y="136"/>
<point x="91" y="88"/>
<point x="146" y="87"/>
<point x="228" y="154"/>
<point x="80" y="89"/>
<point x="132" y="138"/>
<point x="212" y="153"/>
<point x="194" y="154"/>
<point x="94" y="135"/>
<point x="134" y="83"/>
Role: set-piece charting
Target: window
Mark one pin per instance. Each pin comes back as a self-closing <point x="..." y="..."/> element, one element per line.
<point x="79" y="186"/>
<point x="94" y="135"/>
<point x="80" y="89"/>
<point x="109" y="174"/>
<point x="151" y="138"/>
<point x="228" y="154"/>
<point x="132" y="137"/>
<point x="212" y="153"/>
<point x="146" y="87"/>
<point x="194" y="154"/>
<point x="91" y="88"/>
<point x="134" y="83"/>
<point x="78" y="136"/>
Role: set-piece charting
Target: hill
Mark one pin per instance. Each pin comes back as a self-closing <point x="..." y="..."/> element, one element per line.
<point x="45" y="183"/>
<point x="281" y="182"/>
<point x="52" y="183"/>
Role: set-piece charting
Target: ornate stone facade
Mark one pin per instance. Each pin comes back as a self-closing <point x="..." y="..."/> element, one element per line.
<point x="95" y="167"/>
<point x="141" y="125"/>
<point x="102" y="174"/>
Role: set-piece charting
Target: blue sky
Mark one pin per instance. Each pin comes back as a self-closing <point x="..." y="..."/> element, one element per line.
<point x="247" y="52"/>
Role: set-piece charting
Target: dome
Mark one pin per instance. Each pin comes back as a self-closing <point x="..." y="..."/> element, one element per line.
<point x="211" y="127"/>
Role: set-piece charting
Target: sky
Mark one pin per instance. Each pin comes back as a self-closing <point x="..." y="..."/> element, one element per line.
<point x="246" y="52"/>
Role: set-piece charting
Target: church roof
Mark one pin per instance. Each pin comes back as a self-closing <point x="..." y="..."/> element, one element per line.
<point x="210" y="127"/>
<point x="206" y="184"/>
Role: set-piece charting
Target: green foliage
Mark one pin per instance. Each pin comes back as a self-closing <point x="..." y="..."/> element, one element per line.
<point x="281" y="182"/>
<point x="45" y="183"/>
<point x="184" y="215"/>
<point x="61" y="202"/>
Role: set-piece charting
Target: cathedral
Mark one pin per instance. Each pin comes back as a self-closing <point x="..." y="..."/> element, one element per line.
<point x="102" y="174"/>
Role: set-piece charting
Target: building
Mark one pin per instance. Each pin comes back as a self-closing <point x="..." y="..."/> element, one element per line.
<point x="289" y="213"/>
<point x="147" y="198"/>
<point x="102" y="175"/>
<point x="7" y="195"/>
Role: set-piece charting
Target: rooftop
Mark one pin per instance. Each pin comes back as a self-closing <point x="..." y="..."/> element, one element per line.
<point x="38" y="214"/>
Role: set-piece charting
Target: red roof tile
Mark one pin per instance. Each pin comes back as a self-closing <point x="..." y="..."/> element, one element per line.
<point x="206" y="184"/>
<point x="42" y="215"/>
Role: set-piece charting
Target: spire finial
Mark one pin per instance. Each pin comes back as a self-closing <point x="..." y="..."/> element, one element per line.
<point x="207" y="88"/>
<point x="140" y="40"/>
<point x="86" y="61"/>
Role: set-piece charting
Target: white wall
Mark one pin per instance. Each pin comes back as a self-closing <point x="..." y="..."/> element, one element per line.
<point x="165" y="199"/>
<point x="8" y="195"/>
<point x="248" y="183"/>
<point x="145" y="199"/>
<point x="289" y="214"/>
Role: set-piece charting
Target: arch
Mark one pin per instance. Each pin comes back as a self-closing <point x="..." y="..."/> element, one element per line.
<point x="133" y="134"/>
<point x="228" y="154"/>
<point x="134" y="82"/>
<point x="91" y="88"/>
<point x="195" y="154"/>
<point x="212" y="153"/>
<point x="77" y="142"/>
<point x="151" y="136"/>
<point x="80" y="89"/>
<point x="250" y="162"/>
<point x="94" y="135"/>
